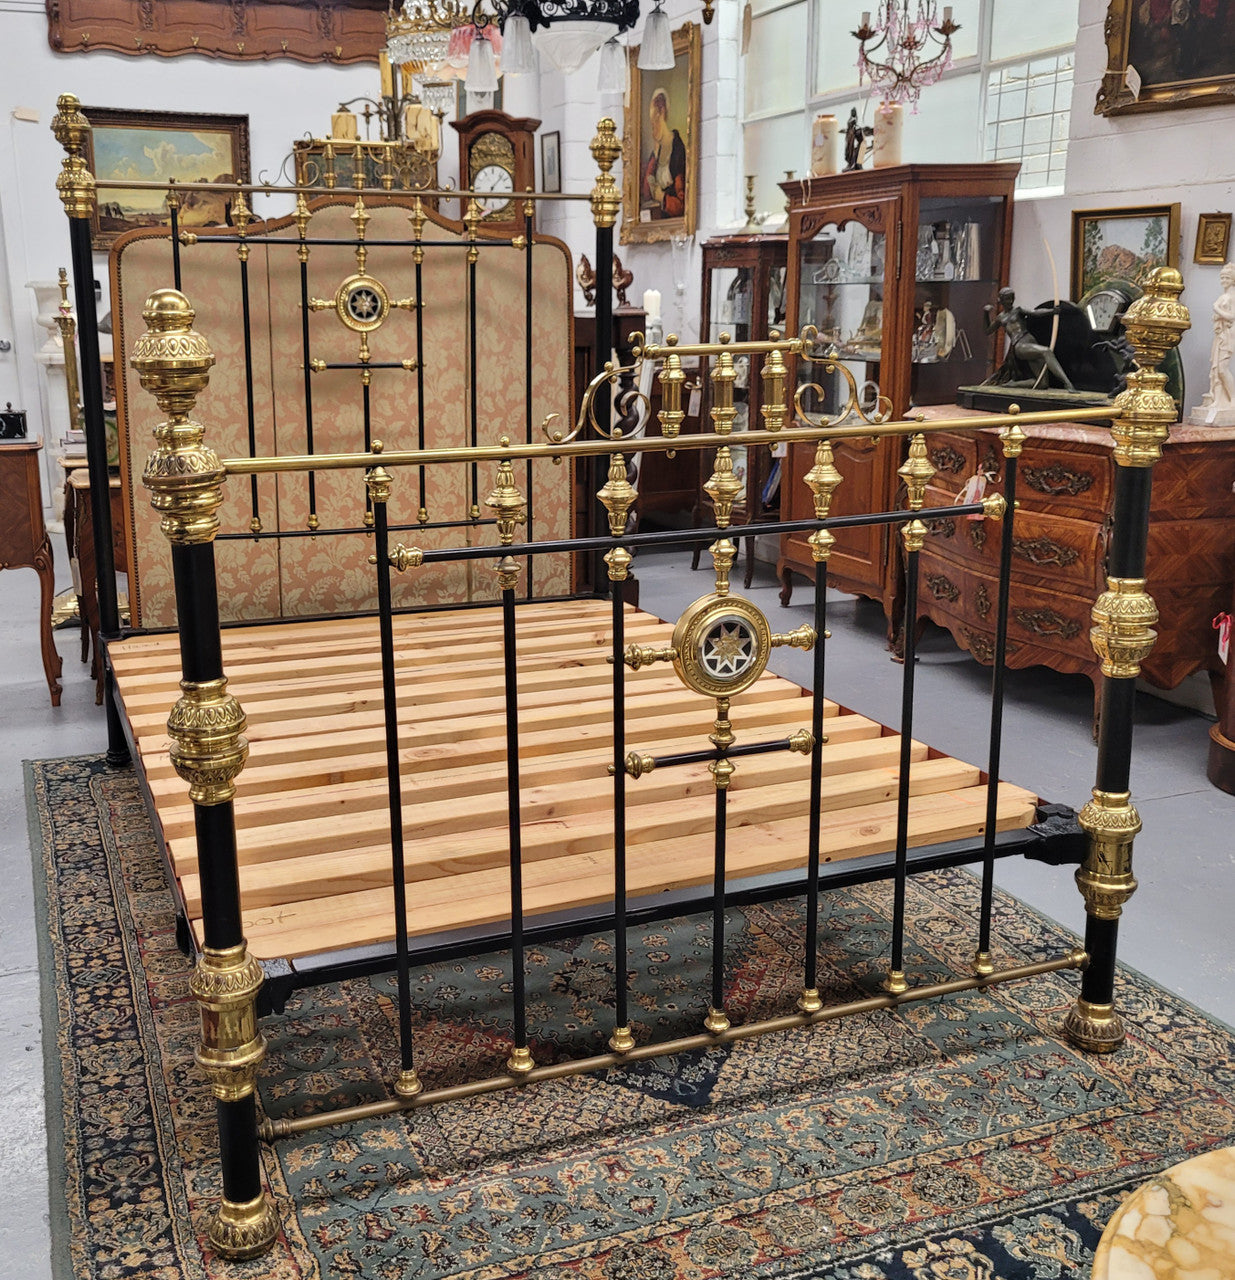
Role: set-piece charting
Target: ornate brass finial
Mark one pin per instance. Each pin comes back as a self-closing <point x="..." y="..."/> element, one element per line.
<point x="723" y="377"/>
<point x="916" y="472"/>
<point x="301" y="218"/>
<point x="208" y="748"/>
<point x="1013" y="439"/>
<point x="173" y="363"/>
<point x="379" y="482"/>
<point x="722" y="738"/>
<point x="618" y="495"/>
<point x="619" y="561"/>
<point x="606" y="149"/>
<point x="1154" y="323"/>
<point x="724" y="553"/>
<point x="507" y="502"/>
<point x="822" y="479"/>
<point x="672" y="380"/>
<point x="242" y="215"/>
<point x="507" y="573"/>
<point x="723" y="487"/>
<point x="1123" y="634"/>
<point x="821" y="543"/>
<point x="417" y="219"/>
<point x="1106" y="882"/>
<point x="471" y="220"/>
<point x="913" y="535"/>
<point x="75" y="182"/>
<point x="773" y="407"/>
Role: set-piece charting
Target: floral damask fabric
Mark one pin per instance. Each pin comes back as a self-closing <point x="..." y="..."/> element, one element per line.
<point x="300" y="576"/>
<point x="959" y="1139"/>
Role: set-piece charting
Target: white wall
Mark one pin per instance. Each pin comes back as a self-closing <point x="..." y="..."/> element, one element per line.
<point x="1157" y="157"/>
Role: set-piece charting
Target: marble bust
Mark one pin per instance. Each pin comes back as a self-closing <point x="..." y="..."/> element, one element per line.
<point x="1217" y="407"/>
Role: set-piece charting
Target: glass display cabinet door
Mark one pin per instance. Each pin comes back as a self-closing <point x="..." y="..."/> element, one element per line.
<point x="956" y="274"/>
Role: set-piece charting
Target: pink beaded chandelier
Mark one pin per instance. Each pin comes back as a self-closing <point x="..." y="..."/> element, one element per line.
<point x="905" y="52"/>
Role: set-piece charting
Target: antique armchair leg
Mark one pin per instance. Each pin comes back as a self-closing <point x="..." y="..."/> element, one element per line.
<point x="47" y="581"/>
<point x="1124" y="616"/>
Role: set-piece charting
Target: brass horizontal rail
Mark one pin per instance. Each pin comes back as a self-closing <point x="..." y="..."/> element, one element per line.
<point x="647" y="444"/>
<point x="790" y="346"/>
<point x="343" y="189"/>
<point x="269" y="1130"/>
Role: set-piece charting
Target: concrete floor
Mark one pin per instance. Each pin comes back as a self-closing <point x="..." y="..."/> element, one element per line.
<point x="1175" y="930"/>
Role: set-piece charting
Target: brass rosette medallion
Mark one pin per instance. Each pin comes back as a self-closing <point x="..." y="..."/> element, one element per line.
<point x="362" y="303"/>
<point x="721" y="645"/>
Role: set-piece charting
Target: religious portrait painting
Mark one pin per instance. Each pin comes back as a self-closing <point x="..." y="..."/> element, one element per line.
<point x="157" y="146"/>
<point x="1164" y="54"/>
<point x="661" y="147"/>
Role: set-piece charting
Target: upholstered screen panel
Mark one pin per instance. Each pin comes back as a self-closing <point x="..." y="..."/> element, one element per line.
<point x="303" y="576"/>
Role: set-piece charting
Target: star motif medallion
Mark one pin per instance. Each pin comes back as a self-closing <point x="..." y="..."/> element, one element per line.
<point x="363" y="304"/>
<point x="729" y="648"/>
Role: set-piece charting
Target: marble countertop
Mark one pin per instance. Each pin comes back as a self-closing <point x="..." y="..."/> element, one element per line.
<point x="1177" y="1226"/>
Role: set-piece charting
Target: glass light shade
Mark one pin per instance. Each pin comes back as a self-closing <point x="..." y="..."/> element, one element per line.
<point x="518" y="56"/>
<point x="656" y="51"/>
<point x="481" y="66"/>
<point x="612" y="67"/>
<point x="569" y="42"/>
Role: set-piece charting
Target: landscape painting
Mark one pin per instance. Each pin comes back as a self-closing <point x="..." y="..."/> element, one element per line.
<point x="155" y="146"/>
<point x="1122" y="244"/>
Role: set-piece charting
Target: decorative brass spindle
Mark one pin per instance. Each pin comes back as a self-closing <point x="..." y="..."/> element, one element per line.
<point x="301" y="218"/>
<point x="917" y="473"/>
<point x="724" y="553"/>
<point x="506" y="501"/>
<point x="672" y="380"/>
<point x="75" y="182"/>
<point x="618" y="495"/>
<point x="471" y="220"/>
<point x="723" y="377"/>
<point x="606" y="148"/>
<point x="329" y="177"/>
<point x="822" y="480"/>
<point x="68" y="334"/>
<point x="360" y="218"/>
<point x="774" y="407"/>
<point x="417" y="219"/>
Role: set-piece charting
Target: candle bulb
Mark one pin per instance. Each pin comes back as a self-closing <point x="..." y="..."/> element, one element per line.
<point x="388" y="80"/>
<point x="947" y="13"/>
<point x="651" y="303"/>
<point x="866" y="18"/>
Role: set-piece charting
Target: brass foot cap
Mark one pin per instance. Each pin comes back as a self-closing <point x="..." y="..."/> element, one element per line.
<point x="408" y="1085"/>
<point x="809" y="1001"/>
<point x="716" y="1021"/>
<point x="896" y="983"/>
<point x="1095" y="1028"/>
<point x="520" y="1061"/>
<point x="983" y="965"/>
<point x="622" y="1040"/>
<point x="240" y="1231"/>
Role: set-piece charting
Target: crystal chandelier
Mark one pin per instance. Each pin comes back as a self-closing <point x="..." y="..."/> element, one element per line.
<point x="906" y="50"/>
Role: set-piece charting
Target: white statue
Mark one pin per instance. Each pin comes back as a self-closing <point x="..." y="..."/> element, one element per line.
<point x="1217" y="407"/>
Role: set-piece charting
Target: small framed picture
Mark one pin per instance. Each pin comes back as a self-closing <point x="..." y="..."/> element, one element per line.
<point x="551" y="162"/>
<point x="1213" y="239"/>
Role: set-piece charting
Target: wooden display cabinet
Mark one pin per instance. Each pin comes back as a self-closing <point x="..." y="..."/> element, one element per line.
<point x="744" y="295"/>
<point x="894" y="267"/>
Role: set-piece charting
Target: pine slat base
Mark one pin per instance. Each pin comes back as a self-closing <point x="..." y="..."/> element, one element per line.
<point x="311" y="808"/>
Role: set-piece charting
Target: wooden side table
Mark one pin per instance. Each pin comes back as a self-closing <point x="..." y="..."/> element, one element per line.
<point x="23" y="539"/>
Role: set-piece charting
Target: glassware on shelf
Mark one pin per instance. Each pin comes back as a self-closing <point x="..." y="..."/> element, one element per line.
<point x="945" y="265"/>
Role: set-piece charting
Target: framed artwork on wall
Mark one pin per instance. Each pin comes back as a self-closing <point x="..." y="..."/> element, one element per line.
<point x="154" y="146"/>
<point x="551" y="162"/>
<point x="1213" y="239"/>
<point x="660" y="148"/>
<point x="1164" y="54"/>
<point x="1122" y="244"/>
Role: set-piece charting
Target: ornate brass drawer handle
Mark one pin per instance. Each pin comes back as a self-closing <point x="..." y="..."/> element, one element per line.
<point x="982" y="601"/>
<point x="1044" y="551"/>
<point x="1057" y="479"/>
<point x="982" y="646"/>
<point x="941" y="526"/>
<point x="947" y="459"/>
<point x="1046" y="622"/>
<point x="942" y="587"/>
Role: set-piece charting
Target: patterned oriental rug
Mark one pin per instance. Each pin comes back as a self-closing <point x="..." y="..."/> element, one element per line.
<point x="952" y="1140"/>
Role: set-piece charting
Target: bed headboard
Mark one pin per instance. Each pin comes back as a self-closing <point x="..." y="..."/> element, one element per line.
<point x="303" y="576"/>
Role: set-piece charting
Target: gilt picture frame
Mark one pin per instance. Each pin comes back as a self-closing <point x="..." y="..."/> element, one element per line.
<point x="1163" y="55"/>
<point x="155" y="146"/>
<point x="551" y="162"/>
<point x="660" y="145"/>
<point x="1213" y="239"/>
<point x="1123" y="243"/>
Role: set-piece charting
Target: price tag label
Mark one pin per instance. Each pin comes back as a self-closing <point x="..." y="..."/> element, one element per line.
<point x="694" y="403"/>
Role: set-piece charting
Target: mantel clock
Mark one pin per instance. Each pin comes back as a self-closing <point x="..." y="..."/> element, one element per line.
<point x="497" y="159"/>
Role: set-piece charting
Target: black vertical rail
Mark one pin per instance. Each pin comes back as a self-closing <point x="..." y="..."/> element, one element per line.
<point x="527" y="379"/>
<point x="510" y="663"/>
<point x="598" y="467"/>
<point x="902" y="790"/>
<point x="256" y="521"/>
<point x="621" y="958"/>
<point x="394" y="781"/>
<point x="96" y="454"/>
<point x="473" y="390"/>
<point x="308" y="379"/>
<point x="423" y="510"/>
<point x="998" y="674"/>
<point x="368" y="437"/>
<point x="173" y="208"/>
<point x="716" y="1019"/>
<point x="816" y="786"/>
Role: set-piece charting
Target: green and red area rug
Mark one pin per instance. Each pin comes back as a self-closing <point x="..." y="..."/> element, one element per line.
<point x="952" y="1140"/>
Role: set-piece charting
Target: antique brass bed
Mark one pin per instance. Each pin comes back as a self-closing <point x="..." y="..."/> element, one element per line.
<point x="452" y="749"/>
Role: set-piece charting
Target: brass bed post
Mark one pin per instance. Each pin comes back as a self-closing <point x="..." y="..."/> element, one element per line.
<point x="208" y="751"/>
<point x="75" y="185"/>
<point x="1122" y="637"/>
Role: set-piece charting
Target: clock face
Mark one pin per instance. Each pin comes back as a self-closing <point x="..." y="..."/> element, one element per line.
<point x="1103" y="307"/>
<point x="494" y="178"/>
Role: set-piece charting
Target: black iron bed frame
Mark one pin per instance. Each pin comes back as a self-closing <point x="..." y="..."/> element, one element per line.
<point x="207" y="723"/>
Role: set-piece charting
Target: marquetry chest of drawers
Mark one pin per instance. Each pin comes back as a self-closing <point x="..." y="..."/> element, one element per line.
<point x="1065" y="486"/>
